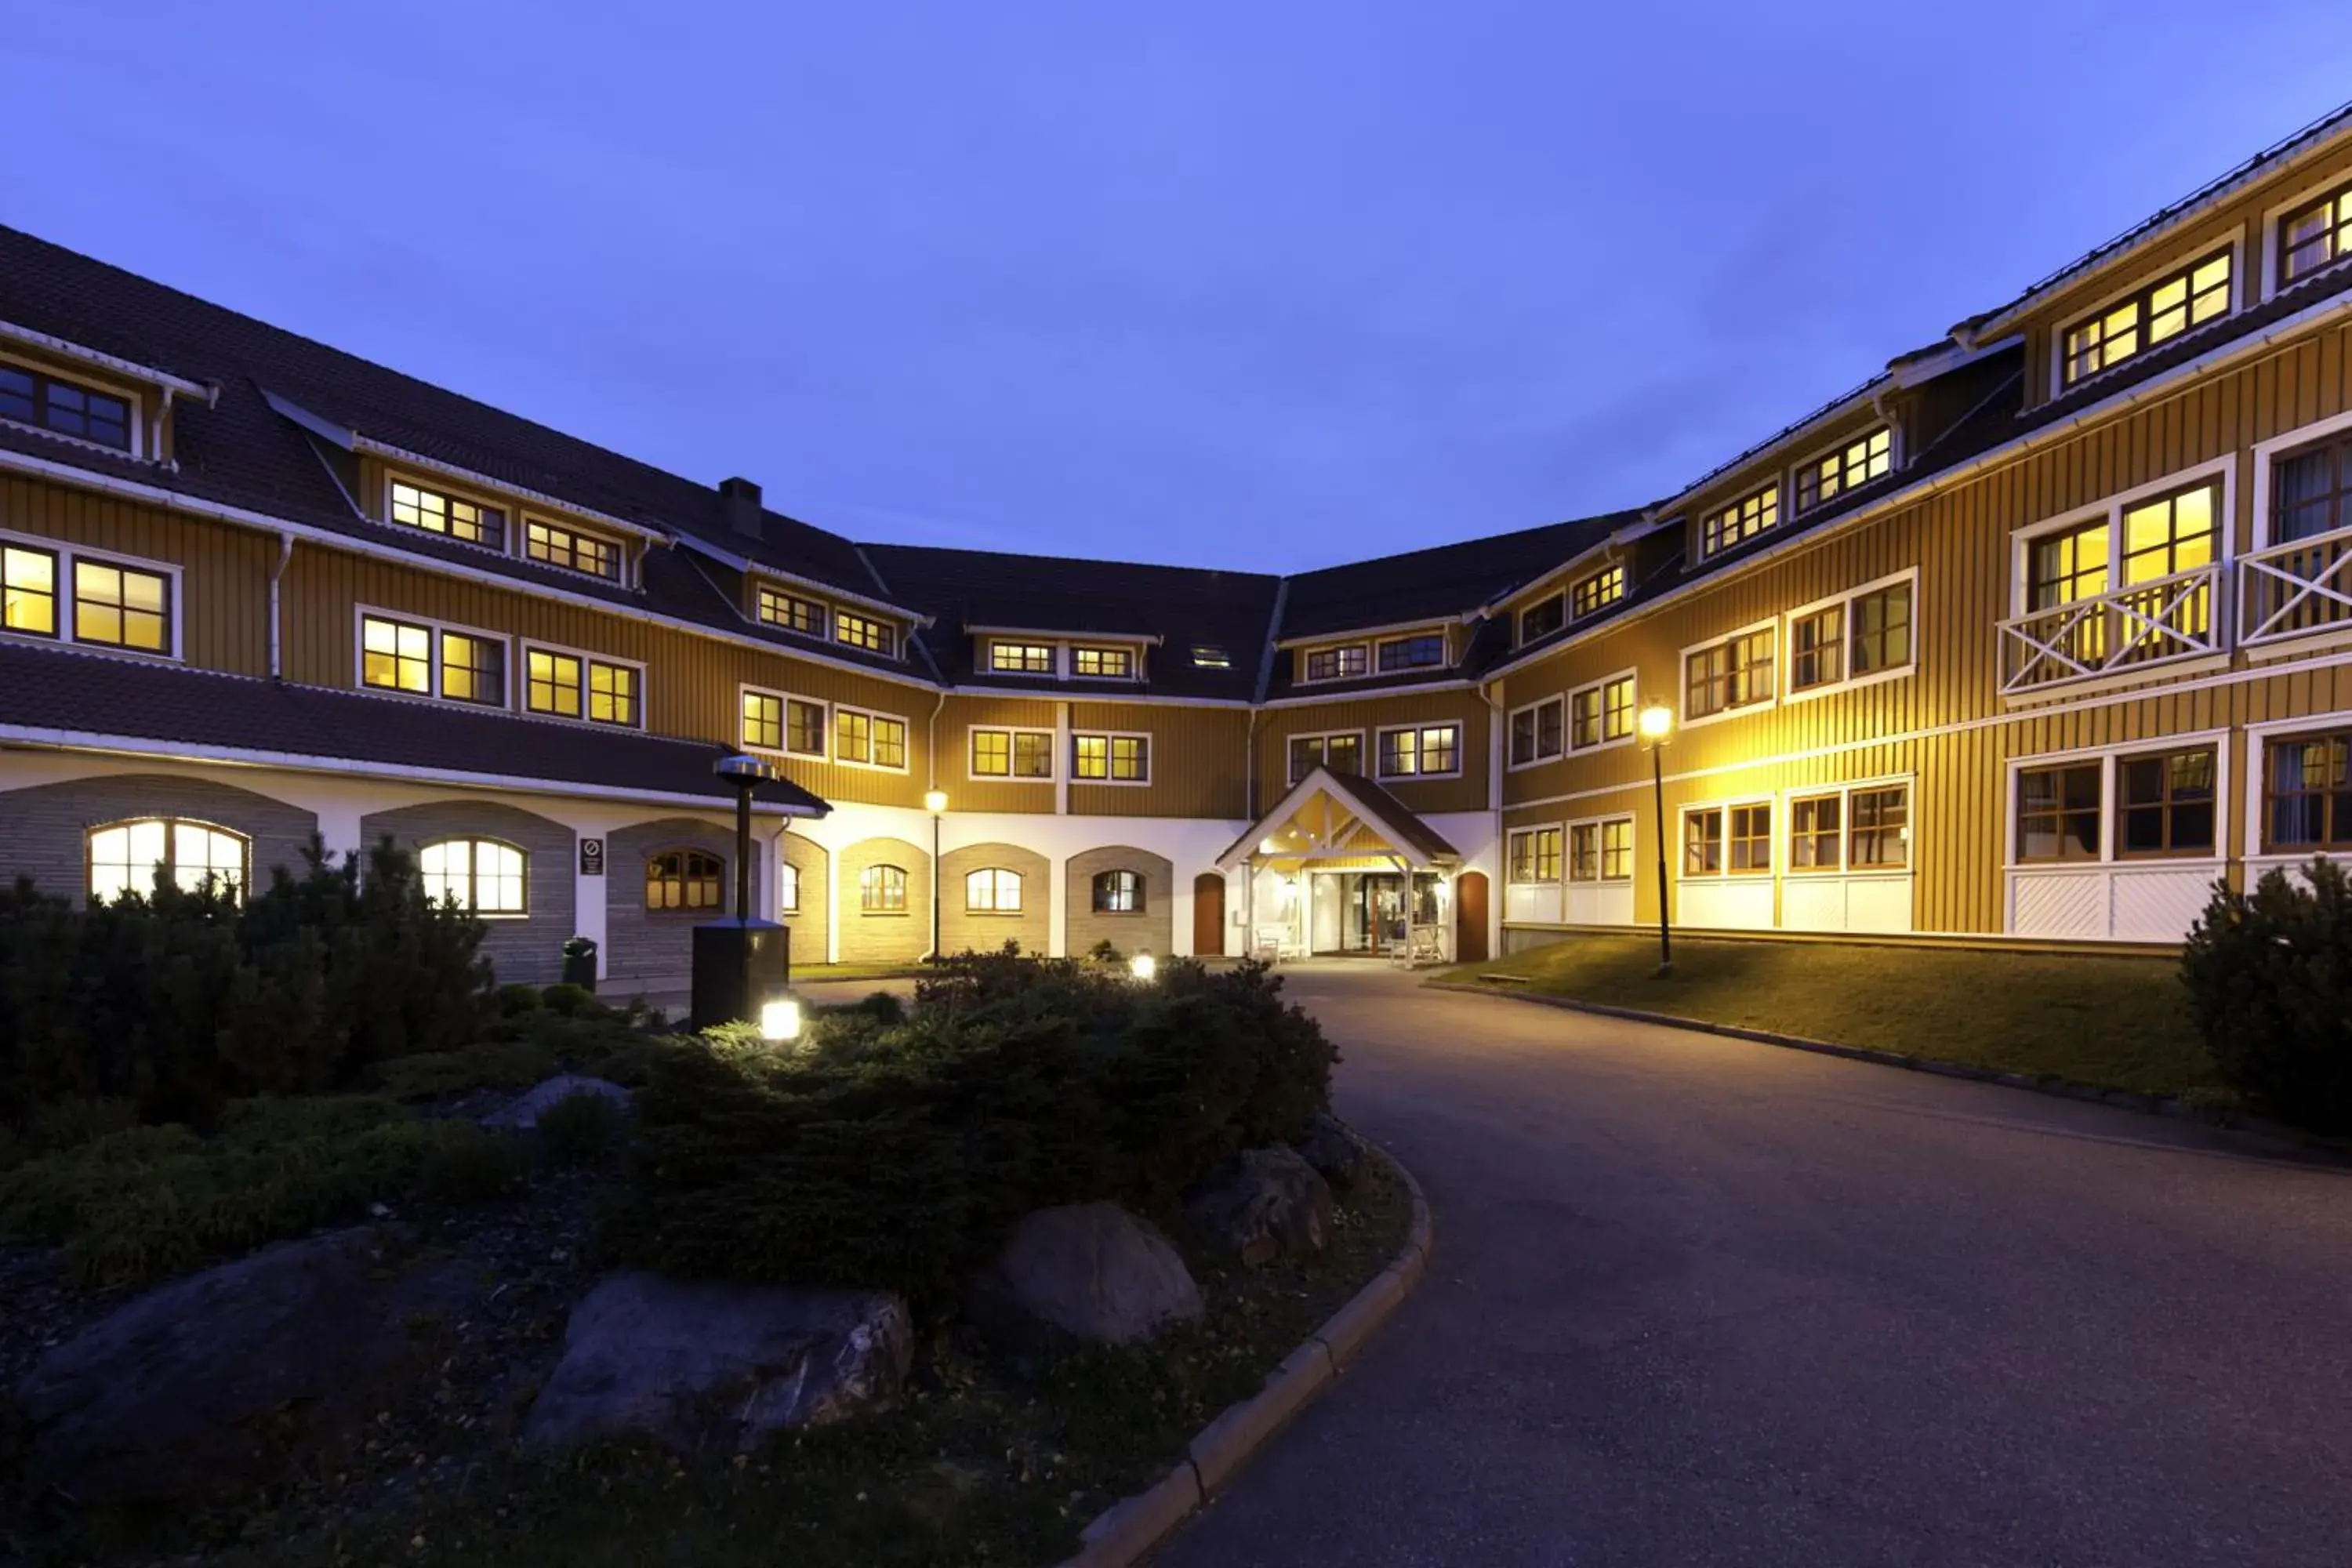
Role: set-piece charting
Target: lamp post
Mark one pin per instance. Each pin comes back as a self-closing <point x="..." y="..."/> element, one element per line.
<point x="1657" y="724"/>
<point x="936" y="803"/>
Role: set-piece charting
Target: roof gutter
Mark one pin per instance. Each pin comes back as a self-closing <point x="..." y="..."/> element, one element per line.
<point x="96" y="361"/>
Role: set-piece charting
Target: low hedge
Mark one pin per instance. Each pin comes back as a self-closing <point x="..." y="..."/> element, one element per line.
<point x="897" y="1155"/>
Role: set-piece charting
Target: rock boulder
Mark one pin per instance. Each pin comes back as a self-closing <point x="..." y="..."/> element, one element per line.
<point x="1091" y="1270"/>
<point x="524" y="1111"/>
<point x="1263" y="1205"/>
<point x="1332" y="1147"/>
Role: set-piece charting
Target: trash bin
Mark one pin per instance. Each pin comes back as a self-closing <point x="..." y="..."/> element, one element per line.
<point x="580" y="961"/>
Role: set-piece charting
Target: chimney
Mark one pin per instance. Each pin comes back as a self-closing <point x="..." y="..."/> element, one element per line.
<point x="738" y="501"/>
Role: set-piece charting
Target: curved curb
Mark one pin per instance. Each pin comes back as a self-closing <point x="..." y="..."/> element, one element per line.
<point x="1130" y="1529"/>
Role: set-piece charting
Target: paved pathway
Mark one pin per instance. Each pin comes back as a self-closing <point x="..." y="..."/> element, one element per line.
<point x="1696" y="1301"/>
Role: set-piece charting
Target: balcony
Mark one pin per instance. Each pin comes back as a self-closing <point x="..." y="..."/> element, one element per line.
<point x="2143" y="626"/>
<point x="2295" y="590"/>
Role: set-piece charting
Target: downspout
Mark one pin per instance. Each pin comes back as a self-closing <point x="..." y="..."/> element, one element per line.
<point x="284" y="554"/>
<point x="932" y="745"/>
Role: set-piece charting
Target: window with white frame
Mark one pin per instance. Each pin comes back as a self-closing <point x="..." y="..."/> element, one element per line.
<point x="2306" y="805"/>
<point x="2132" y="804"/>
<point x="774" y="721"/>
<point x="1832" y="474"/>
<point x="2152" y="314"/>
<point x="1862" y="828"/>
<point x="992" y="890"/>
<point x="2315" y="236"/>
<point x="1597" y="591"/>
<point x="788" y="888"/>
<point x="882" y="891"/>
<point x="2058" y="812"/>
<point x="1340" y="750"/>
<point x="437" y="511"/>
<point x="1091" y="663"/>
<point x="1537" y="732"/>
<point x="425" y="658"/>
<point x="1743" y="520"/>
<point x="1543" y="617"/>
<point x="1600" y="714"/>
<point x="1423" y="751"/>
<point x="128" y="856"/>
<point x="865" y="632"/>
<point x="2134" y="552"/>
<point x="1601" y="851"/>
<point x="1728" y="840"/>
<point x="110" y="602"/>
<point x="63" y="408"/>
<point x="1021" y="657"/>
<point x="573" y="549"/>
<point x="1725" y="676"/>
<point x="564" y="685"/>
<point x="1421" y="650"/>
<point x="869" y="740"/>
<point x="2165" y="803"/>
<point x="1111" y="759"/>
<point x="478" y="874"/>
<point x="1007" y="753"/>
<point x="1859" y="634"/>
<point x="1534" y="855"/>
<point x="792" y="611"/>
<point x="1342" y="662"/>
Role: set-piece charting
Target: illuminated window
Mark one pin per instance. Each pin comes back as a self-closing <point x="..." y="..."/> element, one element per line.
<point x="1535" y="855"/>
<point x="1337" y="663"/>
<point x="2316" y="236"/>
<point x="477" y="874"/>
<point x="396" y="655"/>
<point x="1342" y="753"/>
<point x="437" y="513"/>
<point x="1424" y="749"/>
<point x="33" y="397"/>
<point x="1020" y="658"/>
<point x="1103" y="663"/>
<point x="1119" y="893"/>
<point x="1603" y="589"/>
<point x="871" y="740"/>
<point x="1012" y="753"/>
<point x="474" y="668"/>
<point x="1816" y="833"/>
<point x="1601" y="713"/>
<point x="2164" y="308"/>
<point x="126" y="857"/>
<point x="1882" y="630"/>
<point x="1817" y="648"/>
<point x="683" y="881"/>
<point x="29" y="578"/>
<point x="1731" y="674"/>
<point x="552" y="683"/>
<point x="571" y="549"/>
<point x="993" y="891"/>
<point x="121" y="607"/>
<point x="2153" y="541"/>
<point x="1208" y="656"/>
<point x="1703" y="843"/>
<point x="791" y="612"/>
<point x="1881" y="835"/>
<point x="882" y="891"/>
<point x="1542" y="618"/>
<point x="2069" y="567"/>
<point x="2164" y="804"/>
<point x="787" y="888"/>
<point x="2307" y="793"/>
<point x="1741" y="521"/>
<point x="1751" y="840"/>
<point x="1120" y="759"/>
<point x="763" y="720"/>
<point x="865" y="632"/>
<point x="1536" y="732"/>
<point x="1425" y="650"/>
<point x="1617" y="849"/>
<point x="1858" y="462"/>
<point x="2058" y="813"/>
<point x="611" y="693"/>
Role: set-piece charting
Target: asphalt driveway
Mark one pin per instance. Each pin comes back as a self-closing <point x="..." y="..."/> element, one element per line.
<point x="1696" y="1302"/>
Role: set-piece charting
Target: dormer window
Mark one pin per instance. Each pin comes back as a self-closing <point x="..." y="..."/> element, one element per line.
<point x="865" y="632"/>
<point x="1833" y="474"/>
<point x="571" y="549"/>
<point x="2164" y="310"/>
<point x="1337" y="663"/>
<point x="1020" y="658"/>
<point x="1206" y="656"/>
<point x="1424" y="650"/>
<point x="791" y="612"/>
<point x="2317" y="237"/>
<point x="63" y="408"/>
<point x="1543" y="617"/>
<point x="1741" y="521"/>
<point x="416" y="507"/>
<point x="1103" y="663"/>
<point x="1598" y="592"/>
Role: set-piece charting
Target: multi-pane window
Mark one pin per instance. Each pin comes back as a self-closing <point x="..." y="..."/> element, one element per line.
<point x="993" y="891"/>
<point x="2171" y="534"/>
<point x="1119" y="893"/>
<point x="474" y="668"/>
<point x="1426" y="749"/>
<point x="680" y="881"/>
<point x="438" y="513"/>
<point x="2058" y="813"/>
<point x="2164" y="310"/>
<point x="2316" y="236"/>
<point x="1601" y="713"/>
<point x="1542" y="618"/>
<point x="1020" y="658"/>
<point x="1012" y="753"/>
<point x="121" y="607"/>
<point x="882" y="891"/>
<point x="1734" y="673"/>
<point x="1598" y="591"/>
<point x="31" y="397"/>
<point x="1424" y="650"/>
<point x="477" y="874"/>
<point x="791" y="612"/>
<point x="1702" y="842"/>
<point x="1584" y="852"/>
<point x="1103" y="663"/>
<point x="2311" y="490"/>
<point x="1882" y="630"/>
<point x="874" y="739"/>
<point x="1880" y="839"/>
<point x="787" y="888"/>
<point x="1817" y="648"/>
<point x="1816" y="833"/>
<point x="1535" y="855"/>
<point x="1341" y="753"/>
<point x="552" y="683"/>
<point x="865" y="632"/>
<point x="2307" y="793"/>
<point x="1336" y="663"/>
<point x="763" y="720"/>
<point x="1751" y="840"/>
<point x="611" y="693"/>
<point x="396" y="655"/>
<point x="1857" y="462"/>
<point x="1536" y="732"/>
<point x="778" y="723"/>
<point x="2164" y="804"/>
<point x="1118" y="759"/>
<point x="125" y="857"/>
<point x="1867" y="634"/>
<point x="1617" y="849"/>
<point x="28" y="581"/>
<point x="569" y="686"/>
<point x="1742" y="520"/>
<point x="571" y="549"/>
<point x="2066" y="568"/>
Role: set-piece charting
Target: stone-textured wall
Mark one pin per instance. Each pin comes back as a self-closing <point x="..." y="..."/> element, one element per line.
<point x="809" y="924"/>
<point x="1153" y="926"/>
<point x="885" y="938"/>
<point x="961" y="928"/>
<point x="653" y="951"/>
<point x="526" y="949"/>
<point x="44" y="828"/>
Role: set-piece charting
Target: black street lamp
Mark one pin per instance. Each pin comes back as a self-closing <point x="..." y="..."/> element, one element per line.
<point x="936" y="803"/>
<point x="742" y="966"/>
<point x="1657" y="724"/>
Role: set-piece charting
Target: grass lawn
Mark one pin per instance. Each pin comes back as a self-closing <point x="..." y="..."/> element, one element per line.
<point x="2117" y="1022"/>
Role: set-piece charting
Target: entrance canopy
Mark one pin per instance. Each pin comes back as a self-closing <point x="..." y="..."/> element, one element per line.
<point x="1331" y="821"/>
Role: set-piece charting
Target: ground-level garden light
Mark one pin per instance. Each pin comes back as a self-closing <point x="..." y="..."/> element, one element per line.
<point x="1657" y="727"/>
<point x="743" y="965"/>
<point x="1144" y="966"/>
<point x="780" y="1020"/>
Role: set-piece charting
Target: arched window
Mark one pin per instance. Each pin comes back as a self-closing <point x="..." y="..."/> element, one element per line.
<point x="123" y="857"/>
<point x="682" y="881"/>
<point x="481" y="874"/>
<point x="788" y="888"/>
<point x="882" y="891"/>
<point x="1119" y="893"/>
<point x="993" y="891"/>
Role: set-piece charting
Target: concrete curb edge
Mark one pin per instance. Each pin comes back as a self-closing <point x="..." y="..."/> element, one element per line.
<point x="1134" y="1527"/>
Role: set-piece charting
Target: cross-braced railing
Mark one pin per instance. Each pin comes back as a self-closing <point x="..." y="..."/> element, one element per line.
<point x="2295" y="589"/>
<point x="2148" y="623"/>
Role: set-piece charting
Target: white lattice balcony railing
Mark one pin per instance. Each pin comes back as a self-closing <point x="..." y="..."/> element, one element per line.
<point x="2295" y="589"/>
<point x="2147" y="624"/>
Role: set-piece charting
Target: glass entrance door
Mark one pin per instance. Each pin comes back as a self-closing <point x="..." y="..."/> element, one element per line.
<point x="1375" y="912"/>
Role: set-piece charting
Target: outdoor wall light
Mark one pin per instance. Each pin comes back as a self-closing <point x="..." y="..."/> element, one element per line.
<point x="1144" y="966"/>
<point x="780" y="1020"/>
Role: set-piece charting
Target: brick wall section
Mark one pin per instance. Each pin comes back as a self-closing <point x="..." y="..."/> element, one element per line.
<point x="962" y="929"/>
<point x="656" y="952"/>
<point x="1154" y="928"/>
<point x="879" y="938"/>
<point x="43" y="830"/>
<point x="809" y="925"/>
<point x="528" y="951"/>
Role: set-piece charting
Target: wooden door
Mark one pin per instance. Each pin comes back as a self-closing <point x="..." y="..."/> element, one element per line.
<point x="1208" y="915"/>
<point x="1470" y="918"/>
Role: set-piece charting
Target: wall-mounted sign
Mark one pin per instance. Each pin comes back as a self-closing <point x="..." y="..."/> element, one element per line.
<point x="591" y="856"/>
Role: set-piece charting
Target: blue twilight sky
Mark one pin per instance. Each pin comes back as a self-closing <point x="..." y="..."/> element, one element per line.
<point x="1242" y="284"/>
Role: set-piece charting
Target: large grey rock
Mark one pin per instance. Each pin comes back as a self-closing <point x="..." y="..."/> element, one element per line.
<point x="1332" y="1147"/>
<point x="1092" y="1270"/>
<point x="243" y="1376"/>
<point x="524" y="1111"/>
<point x="1262" y="1204"/>
<point x="702" y="1366"/>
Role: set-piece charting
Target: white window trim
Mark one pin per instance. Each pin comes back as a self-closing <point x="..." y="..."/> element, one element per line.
<point x="1326" y="737"/>
<point x="825" y="611"/>
<point x="1310" y="650"/>
<point x="1845" y="792"/>
<point x="2267" y="455"/>
<point x="1522" y="831"/>
<point x="1567" y="715"/>
<point x="1134" y="676"/>
<point x="1414" y="730"/>
<point x="551" y="519"/>
<point x="1632" y="850"/>
<point x="1772" y="849"/>
<point x="2060" y="325"/>
<point x="66" y="553"/>
<point x="144" y="445"/>
<point x="1149" y="758"/>
<point x="360" y="615"/>
<point x="833" y="738"/>
<point x="1779" y="675"/>
<point x="506" y="547"/>
<point x="824" y="728"/>
<point x="2112" y="510"/>
<point x="896" y="653"/>
<point x="1624" y="586"/>
<point x="2258" y="748"/>
<point x="1510" y="724"/>
<point x="518" y="678"/>
<point x="1789" y="472"/>
<point x="1780" y="488"/>
<point x="1849" y="681"/>
<point x="971" y="749"/>
<point x="523" y="851"/>
<point x="2107" y="756"/>
<point x="2274" y="224"/>
<point x="1444" y="650"/>
<point x="1053" y="650"/>
<point x="996" y="910"/>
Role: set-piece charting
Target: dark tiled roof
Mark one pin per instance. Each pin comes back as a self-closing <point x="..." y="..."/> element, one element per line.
<point x="1398" y="817"/>
<point x="1443" y="581"/>
<point x="82" y="694"/>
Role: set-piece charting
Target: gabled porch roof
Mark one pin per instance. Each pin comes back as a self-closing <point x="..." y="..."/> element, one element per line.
<point x="1331" y="816"/>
